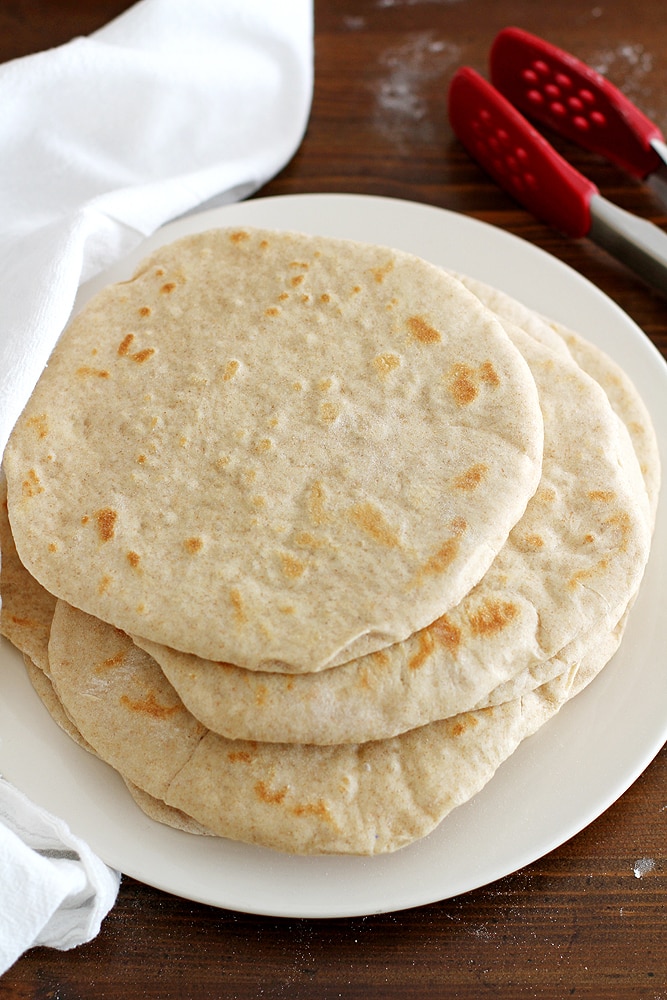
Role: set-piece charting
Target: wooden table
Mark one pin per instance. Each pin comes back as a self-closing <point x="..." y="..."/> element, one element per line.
<point x="579" y="922"/>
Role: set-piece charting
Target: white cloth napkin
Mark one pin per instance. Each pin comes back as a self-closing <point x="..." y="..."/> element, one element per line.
<point x="53" y="890"/>
<point x="103" y="140"/>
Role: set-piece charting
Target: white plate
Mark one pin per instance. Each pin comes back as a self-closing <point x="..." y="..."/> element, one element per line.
<point x="556" y="783"/>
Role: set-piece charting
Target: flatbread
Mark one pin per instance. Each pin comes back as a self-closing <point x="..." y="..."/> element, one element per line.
<point x="576" y="556"/>
<point x="276" y="450"/>
<point x="26" y="608"/>
<point x="625" y="401"/>
<point x="154" y="808"/>
<point x="160" y="812"/>
<point x="618" y="386"/>
<point x="361" y="799"/>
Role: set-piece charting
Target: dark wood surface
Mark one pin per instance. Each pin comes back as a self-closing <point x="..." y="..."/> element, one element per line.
<point x="579" y="922"/>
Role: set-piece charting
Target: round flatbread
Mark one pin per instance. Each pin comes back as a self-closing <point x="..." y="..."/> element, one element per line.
<point x="276" y="450"/>
<point x="576" y="555"/>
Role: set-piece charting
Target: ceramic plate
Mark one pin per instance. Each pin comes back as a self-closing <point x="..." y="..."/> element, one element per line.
<point x="556" y="783"/>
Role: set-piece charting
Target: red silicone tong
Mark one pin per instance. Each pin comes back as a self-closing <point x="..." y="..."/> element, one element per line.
<point x="555" y="88"/>
<point x="564" y="93"/>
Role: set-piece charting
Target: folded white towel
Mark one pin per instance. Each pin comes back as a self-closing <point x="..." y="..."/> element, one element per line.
<point x="53" y="890"/>
<point x="103" y="140"/>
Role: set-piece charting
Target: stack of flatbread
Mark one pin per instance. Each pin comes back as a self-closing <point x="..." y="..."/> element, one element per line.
<point x="305" y="536"/>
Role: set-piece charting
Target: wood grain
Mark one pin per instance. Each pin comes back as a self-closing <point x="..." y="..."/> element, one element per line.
<point x="589" y="920"/>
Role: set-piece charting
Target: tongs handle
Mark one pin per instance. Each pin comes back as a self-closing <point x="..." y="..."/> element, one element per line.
<point x="559" y="90"/>
<point x="518" y="158"/>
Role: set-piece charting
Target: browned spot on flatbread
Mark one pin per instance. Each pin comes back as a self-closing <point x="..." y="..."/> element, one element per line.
<point x="86" y="372"/>
<point x="168" y="287"/>
<point x="263" y="792"/>
<point x="111" y="661"/>
<point x="446" y="633"/>
<point x="305" y="540"/>
<point x="105" y="519"/>
<point x="426" y="645"/>
<point x="328" y="412"/>
<point x="534" y="542"/>
<point x="24" y="622"/>
<point x="143" y="355"/>
<point x="125" y="344"/>
<point x="239" y="236"/>
<point x="316" y="500"/>
<point x="150" y="706"/>
<point x="380" y="657"/>
<point x="318" y="809"/>
<point x="582" y="575"/>
<point x="443" y="558"/>
<point x="422" y="330"/>
<point x="261" y="692"/>
<point x="272" y="311"/>
<point x="374" y="523"/>
<point x="381" y="272"/>
<point x="31" y="485"/>
<point x="460" y="724"/>
<point x="292" y="567"/>
<point x="240" y="756"/>
<point x="365" y="679"/>
<point x="133" y="558"/>
<point x="604" y="496"/>
<point x="237" y="604"/>
<point x="193" y="545"/>
<point x="296" y="280"/>
<point x="104" y="584"/>
<point x="145" y="311"/>
<point x="458" y="525"/>
<point x="492" y="616"/>
<point x="471" y="478"/>
<point x="40" y="424"/>
<point x="386" y="363"/>
<point x="488" y="374"/>
<point x="462" y="383"/>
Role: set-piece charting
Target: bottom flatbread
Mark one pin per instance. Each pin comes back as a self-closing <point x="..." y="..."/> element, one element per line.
<point x="354" y="799"/>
